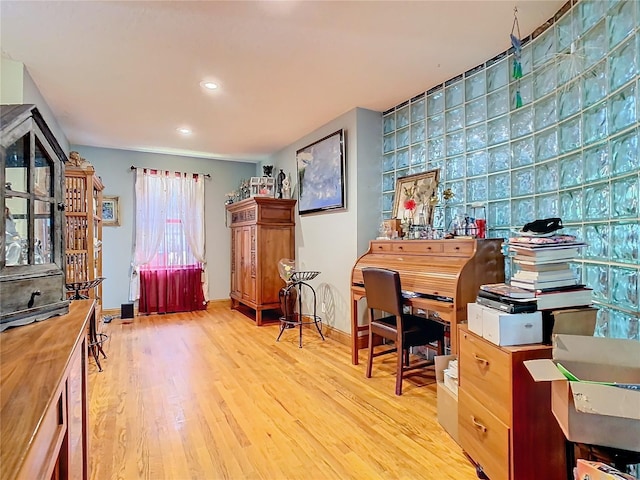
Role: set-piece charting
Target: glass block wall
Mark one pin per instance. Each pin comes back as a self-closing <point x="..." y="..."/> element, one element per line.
<point x="571" y="149"/>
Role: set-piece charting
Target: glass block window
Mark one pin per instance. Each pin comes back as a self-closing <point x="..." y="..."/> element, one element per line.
<point x="571" y="150"/>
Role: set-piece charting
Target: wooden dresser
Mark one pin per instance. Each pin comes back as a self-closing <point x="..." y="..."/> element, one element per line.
<point x="262" y="232"/>
<point x="43" y="398"/>
<point x="505" y="421"/>
<point x="446" y="275"/>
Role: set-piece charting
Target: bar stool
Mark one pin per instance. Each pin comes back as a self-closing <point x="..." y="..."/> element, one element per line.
<point x="296" y="288"/>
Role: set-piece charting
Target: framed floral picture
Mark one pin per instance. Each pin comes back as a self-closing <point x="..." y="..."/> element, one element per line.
<point x="415" y="195"/>
<point x="110" y="211"/>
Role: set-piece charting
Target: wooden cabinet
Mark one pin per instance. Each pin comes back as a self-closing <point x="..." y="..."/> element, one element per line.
<point x="43" y="406"/>
<point x="83" y="233"/>
<point x="262" y="232"/>
<point x="504" y="417"/>
<point x="31" y="249"/>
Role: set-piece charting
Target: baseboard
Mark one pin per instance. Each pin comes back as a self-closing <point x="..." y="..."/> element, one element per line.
<point x="116" y="312"/>
<point x="223" y="302"/>
<point x="337" y="335"/>
<point x="220" y="302"/>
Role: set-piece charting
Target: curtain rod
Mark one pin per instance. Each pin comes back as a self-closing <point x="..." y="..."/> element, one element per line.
<point x="133" y="167"/>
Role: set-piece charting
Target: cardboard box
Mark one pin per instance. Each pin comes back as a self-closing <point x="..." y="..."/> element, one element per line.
<point x="569" y="321"/>
<point x="451" y="383"/>
<point x="575" y="321"/>
<point x="590" y="412"/>
<point x="447" y="402"/>
<point x="474" y="318"/>
<point x="587" y="470"/>
<point x="506" y="328"/>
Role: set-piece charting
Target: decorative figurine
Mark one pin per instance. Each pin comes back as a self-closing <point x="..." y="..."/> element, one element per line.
<point x="281" y="179"/>
<point x="286" y="187"/>
<point x="267" y="170"/>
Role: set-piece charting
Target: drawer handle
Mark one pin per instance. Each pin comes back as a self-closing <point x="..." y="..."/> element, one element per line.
<point x="457" y="248"/>
<point x="399" y="247"/>
<point x="481" y="360"/>
<point x="379" y="247"/>
<point x="478" y="425"/>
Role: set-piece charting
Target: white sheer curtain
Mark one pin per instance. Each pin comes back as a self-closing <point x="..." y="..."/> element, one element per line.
<point x="165" y="200"/>
<point x="191" y="206"/>
<point x="152" y="200"/>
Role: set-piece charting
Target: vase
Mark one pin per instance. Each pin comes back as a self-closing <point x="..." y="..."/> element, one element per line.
<point x="288" y="296"/>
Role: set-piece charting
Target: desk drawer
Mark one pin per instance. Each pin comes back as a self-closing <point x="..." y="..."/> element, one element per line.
<point x="453" y="247"/>
<point x="485" y="373"/>
<point x="380" y="247"/>
<point x="484" y="437"/>
<point x="419" y="247"/>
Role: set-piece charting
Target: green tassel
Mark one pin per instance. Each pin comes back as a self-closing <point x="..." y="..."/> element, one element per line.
<point x="518" y="99"/>
<point x="517" y="70"/>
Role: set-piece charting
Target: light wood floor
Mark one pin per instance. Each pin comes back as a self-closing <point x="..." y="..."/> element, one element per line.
<point x="209" y="395"/>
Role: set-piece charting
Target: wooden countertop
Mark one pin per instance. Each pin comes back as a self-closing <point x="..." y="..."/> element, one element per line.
<point x="33" y="361"/>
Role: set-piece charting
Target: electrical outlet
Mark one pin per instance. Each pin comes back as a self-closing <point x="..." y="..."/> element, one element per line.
<point x="323" y="308"/>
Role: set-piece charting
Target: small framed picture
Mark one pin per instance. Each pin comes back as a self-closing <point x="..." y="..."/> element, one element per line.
<point x="262" y="186"/>
<point x="110" y="211"/>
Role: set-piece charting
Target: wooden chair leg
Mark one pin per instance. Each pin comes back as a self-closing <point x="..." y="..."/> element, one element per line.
<point x="399" y="371"/>
<point x="370" y="359"/>
<point x="406" y="357"/>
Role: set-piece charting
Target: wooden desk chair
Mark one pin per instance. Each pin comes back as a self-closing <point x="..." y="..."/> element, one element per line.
<point x="383" y="292"/>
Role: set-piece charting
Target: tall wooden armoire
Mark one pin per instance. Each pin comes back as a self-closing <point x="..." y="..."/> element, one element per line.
<point x="83" y="210"/>
<point x="262" y="233"/>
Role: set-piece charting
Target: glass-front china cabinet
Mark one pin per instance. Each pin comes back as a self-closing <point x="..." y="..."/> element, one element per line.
<point x="32" y="283"/>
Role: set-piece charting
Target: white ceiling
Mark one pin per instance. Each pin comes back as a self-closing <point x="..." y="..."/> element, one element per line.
<point x="126" y="74"/>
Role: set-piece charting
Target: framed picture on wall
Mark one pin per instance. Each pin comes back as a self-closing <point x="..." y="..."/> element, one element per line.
<point x="110" y="211"/>
<point x="321" y="175"/>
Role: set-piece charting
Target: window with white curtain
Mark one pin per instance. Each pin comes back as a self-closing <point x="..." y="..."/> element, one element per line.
<point x="169" y="266"/>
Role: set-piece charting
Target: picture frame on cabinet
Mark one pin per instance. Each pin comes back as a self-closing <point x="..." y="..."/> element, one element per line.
<point x="321" y="175"/>
<point x="415" y="195"/>
<point x="262" y="187"/>
<point x="110" y="211"/>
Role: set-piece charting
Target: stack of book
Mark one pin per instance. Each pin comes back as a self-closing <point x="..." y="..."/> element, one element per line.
<point x="507" y="298"/>
<point x="542" y="268"/>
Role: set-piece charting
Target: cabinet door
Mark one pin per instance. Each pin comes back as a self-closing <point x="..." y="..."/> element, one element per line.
<point x="77" y="415"/>
<point x="236" y="261"/>
<point x="249" y="264"/>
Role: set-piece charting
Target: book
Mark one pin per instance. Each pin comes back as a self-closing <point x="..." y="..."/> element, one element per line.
<point x="508" y="307"/>
<point x="544" y="276"/>
<point x="543" y="267"/>
<point x="534" y="261"/>
<point x="538" y="285"/>
<point x="560" y="289"/>
<point x="550" y="300"/>
<point x="543" y="240"/>
<point x="504" y="290"/>
<point x="552" y="252"/>
<point x="502" y="298"/>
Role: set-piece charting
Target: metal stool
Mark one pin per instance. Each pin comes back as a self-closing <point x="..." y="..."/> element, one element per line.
<point x="288" y="295"/>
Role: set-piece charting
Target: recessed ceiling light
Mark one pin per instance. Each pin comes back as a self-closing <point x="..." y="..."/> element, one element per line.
<point x="184" y="131"/>
<point x="209" y="85"/>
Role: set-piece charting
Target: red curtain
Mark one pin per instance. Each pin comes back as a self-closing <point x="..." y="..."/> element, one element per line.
<point x="171" y="290"/>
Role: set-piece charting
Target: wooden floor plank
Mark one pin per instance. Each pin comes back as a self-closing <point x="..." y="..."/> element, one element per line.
<point x="208" y="395"/>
